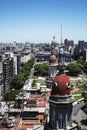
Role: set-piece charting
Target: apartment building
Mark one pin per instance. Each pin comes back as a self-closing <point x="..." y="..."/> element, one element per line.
<point x="8" y="71"/>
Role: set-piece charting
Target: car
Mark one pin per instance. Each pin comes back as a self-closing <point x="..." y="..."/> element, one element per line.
<point x="80" y="101"/>
<point x="9" y="124"/>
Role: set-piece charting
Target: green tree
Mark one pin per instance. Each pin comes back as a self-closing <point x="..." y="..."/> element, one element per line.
<point x="84" y="94"/>
<point x="34" y="83"/>
<point x="18" y="81"/>
<point x="81" y="61"/>
<point x="27" y="67"/>
<point x="10" y="96"/>
<point x="74" y="69"/>
<point x="85" y="65"/>
<point x="41" y="69"/>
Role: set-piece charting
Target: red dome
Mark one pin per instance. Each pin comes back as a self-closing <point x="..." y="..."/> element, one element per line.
<point x="52" y="59"/>
<point x="61" y="85"/>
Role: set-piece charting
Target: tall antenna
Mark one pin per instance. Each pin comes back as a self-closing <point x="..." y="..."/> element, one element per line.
<point x="61" y="34"/>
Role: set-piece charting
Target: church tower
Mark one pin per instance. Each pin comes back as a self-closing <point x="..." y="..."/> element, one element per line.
<point x="52" y="70"/>
<point x="52" y="66"/>
<point x="60" y="105"/>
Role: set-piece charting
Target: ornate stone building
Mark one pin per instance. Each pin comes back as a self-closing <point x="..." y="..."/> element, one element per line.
<point x="60" y="105"/>
<point x="52" y="70"/>
<point x="52" y="66"/>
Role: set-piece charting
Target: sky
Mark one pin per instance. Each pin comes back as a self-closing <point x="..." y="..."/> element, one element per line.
<point x="39" y="20"/>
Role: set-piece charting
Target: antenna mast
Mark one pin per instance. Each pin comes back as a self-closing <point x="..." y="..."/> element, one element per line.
<point x="61" y="34"/>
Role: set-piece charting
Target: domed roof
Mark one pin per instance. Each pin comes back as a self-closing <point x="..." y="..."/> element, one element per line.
<point x="61" y="85"/>
<point x="54" y="41"/>
<point x="52" y="59"/>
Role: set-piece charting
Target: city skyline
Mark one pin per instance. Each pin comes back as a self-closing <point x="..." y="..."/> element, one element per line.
<point x="39" y="20"/>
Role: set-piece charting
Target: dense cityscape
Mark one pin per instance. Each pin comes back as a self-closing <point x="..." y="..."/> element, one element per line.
<point x="43" y="65"/>
<point x="33" y="80"/>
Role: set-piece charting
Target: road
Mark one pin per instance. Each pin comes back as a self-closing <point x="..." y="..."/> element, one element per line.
<point x="77" y="108"/>
<point x="80" y="116"/>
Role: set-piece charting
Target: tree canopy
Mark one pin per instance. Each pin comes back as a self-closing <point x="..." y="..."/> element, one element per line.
<point x="83" y="63"/>
<point x="19" y="79"/>
<point x="84" y="94"/>
<point x="41" y="69"/>
<point x="10" y="96"/>
<point x="74" y="69"/>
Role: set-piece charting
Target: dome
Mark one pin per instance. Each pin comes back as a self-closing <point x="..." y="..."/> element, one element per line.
<point x="53" y="59"/>
<point x="54" y="41"/>
<point x="61" y="85"/>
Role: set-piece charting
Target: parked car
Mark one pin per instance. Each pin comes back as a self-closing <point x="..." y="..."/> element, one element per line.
<point x="9" y="124"/>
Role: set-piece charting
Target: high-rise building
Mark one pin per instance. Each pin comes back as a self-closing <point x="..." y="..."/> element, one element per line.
<point x="1" y="79"/>
<point x="79" y="51"/>
<point x="69" y="44"/>
<point x="17" y="63"/>
<point x="8" y="71"/>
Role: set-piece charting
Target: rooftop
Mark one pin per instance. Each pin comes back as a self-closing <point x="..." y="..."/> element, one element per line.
<point x="35" y="109"/>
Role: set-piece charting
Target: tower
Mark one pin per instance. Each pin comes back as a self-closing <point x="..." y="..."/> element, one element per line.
<point x="61" y="34"/>
<point x="52" y="66"/>
<point x="52" y="71"/>
<point x="61" y="56"/>
<point x="60" y="116"/>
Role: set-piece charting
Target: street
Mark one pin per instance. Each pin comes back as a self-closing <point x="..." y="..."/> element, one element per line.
<point x="80" y="116"/>
<point x="77" y="108"/>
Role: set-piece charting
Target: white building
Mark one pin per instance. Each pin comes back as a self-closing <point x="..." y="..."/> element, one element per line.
<point x="25" y="56"/>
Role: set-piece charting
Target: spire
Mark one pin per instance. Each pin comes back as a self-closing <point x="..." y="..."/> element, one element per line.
<point x="61" y="34"/>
